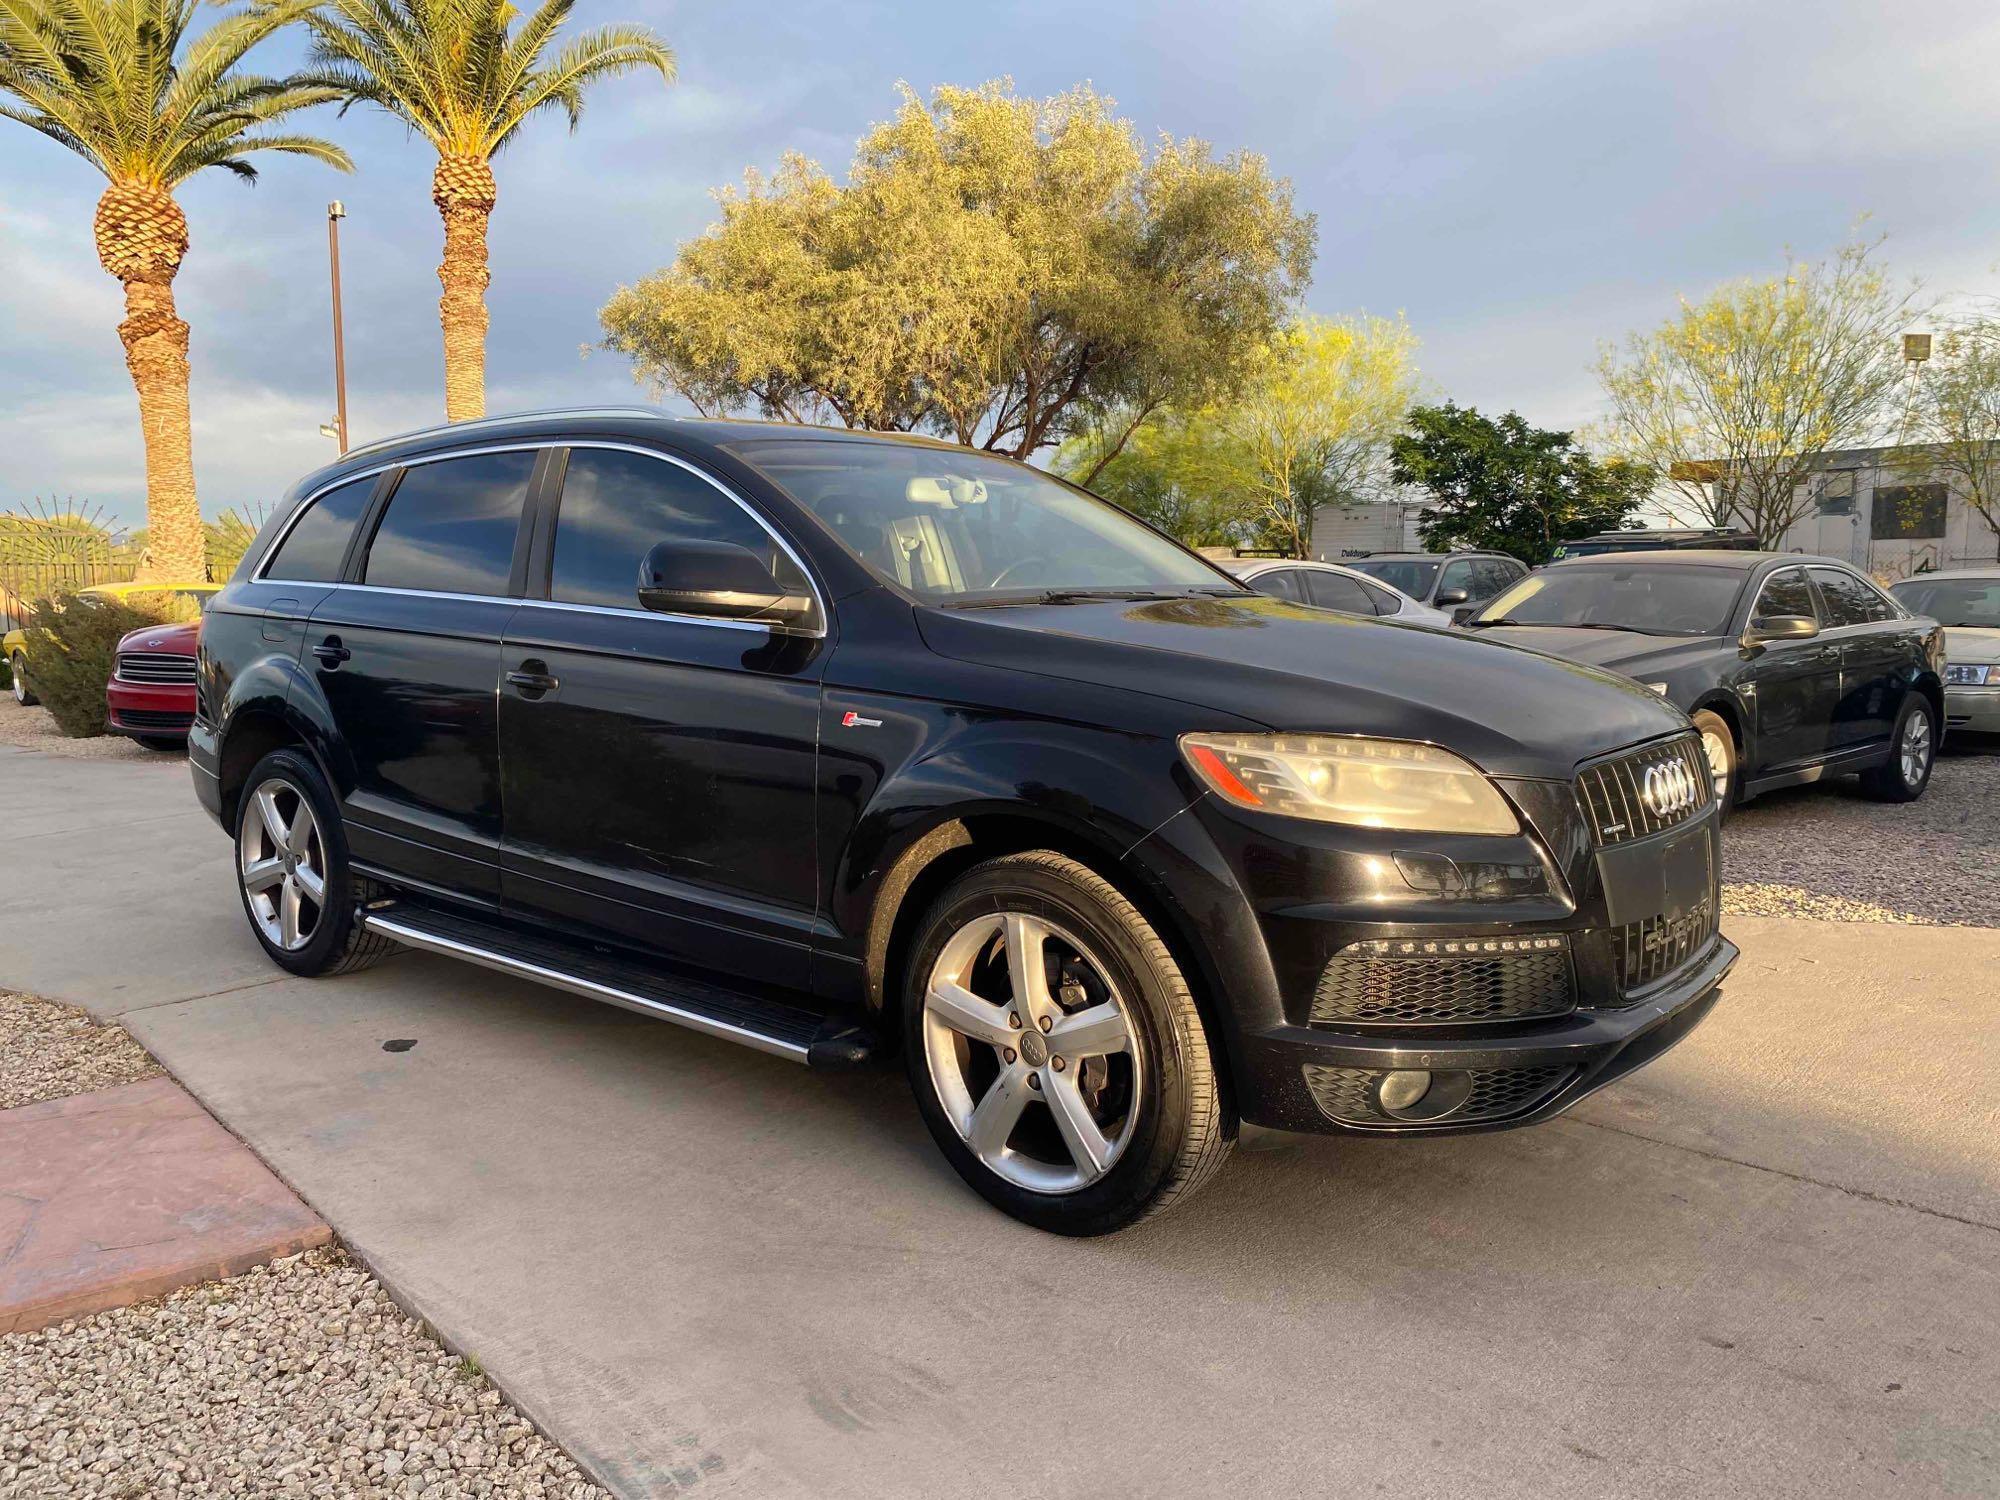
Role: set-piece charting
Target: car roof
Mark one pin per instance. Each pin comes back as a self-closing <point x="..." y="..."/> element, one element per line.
<point x="1950" y="575"/>
<point x="1700" y="557"/>
<point x="1429" y="556"/>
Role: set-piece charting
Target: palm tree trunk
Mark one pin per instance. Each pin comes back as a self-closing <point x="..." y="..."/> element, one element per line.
<point x="141" y="239"/>
<point x="464" y="192"/>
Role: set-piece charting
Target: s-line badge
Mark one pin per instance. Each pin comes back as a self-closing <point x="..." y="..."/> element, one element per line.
<point x="853" y="720"/>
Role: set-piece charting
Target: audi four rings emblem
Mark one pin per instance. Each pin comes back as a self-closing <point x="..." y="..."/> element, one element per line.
<point x="1669" y="789"/>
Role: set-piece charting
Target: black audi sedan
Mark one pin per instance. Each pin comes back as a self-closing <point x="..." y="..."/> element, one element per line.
<point x="839" y="745"/>
<point x="1793" y="668"/>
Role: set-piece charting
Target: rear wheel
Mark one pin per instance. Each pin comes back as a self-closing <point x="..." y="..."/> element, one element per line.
<point x="1913" y="751"/>
<point x="291" y="867"/>
<point x="1055" y="1051"/>
<point x="17" y="666"/>
<point x="1718" y="748"/>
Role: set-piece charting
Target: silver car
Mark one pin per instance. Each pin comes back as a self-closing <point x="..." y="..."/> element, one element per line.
<point x="1966" y="601"/>
<point x="1330" y="586"/>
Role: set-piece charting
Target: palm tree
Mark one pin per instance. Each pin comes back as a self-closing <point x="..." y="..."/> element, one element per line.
<point x="124" y="85"/>
<point x="449" y="70"/>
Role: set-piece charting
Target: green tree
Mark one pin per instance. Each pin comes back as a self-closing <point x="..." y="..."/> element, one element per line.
<point x="999" y="270"/>
<point x="1174" y="472"/>
<point x="1313" y="425"/>
<point x="132" y="89"/>
<point x="1735" y="398"/>
<point x="459" y="75"/>
<point x="1501" y="485"/>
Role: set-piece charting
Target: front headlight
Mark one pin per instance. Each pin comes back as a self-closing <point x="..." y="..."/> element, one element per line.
<point x="1972" y="674"/>
<point x="1338" y="779"/>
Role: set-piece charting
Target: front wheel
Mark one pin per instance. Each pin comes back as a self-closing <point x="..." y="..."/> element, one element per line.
<point x="17" y="665"/>
<point x="292" y="872"/>
<point x="1055" y="1051"/>
<point x="1718" y="748"/>
<point x="1913" y="751"/>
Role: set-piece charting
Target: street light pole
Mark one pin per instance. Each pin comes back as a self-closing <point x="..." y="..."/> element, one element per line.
<point x="335" y="212"/>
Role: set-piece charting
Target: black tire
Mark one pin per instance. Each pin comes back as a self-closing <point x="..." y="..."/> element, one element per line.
<point x="1181" y="1125"/>
<point x="23" y="694"/>
<point x="164" y="743"/>
<point x="1890" y="782"/>
<point x="338" y="943"/>
<point x="1713" y="728"/>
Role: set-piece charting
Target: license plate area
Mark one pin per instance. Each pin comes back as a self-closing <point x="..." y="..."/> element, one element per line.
<point x="1668" y="876"/>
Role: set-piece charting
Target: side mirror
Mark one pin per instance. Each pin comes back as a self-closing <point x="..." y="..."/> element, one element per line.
<point x="1767" y="628"/>
<point x="1450" y="597"/>
<point x="720" y="581"/>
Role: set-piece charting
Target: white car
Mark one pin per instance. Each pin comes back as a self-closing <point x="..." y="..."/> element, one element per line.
<point x="1330" y="586"/>
<point x="1966" y="601"/>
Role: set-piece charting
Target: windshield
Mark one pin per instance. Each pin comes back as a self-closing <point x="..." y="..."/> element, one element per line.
<point x="1973" y="603"/>
<point x="1658" y="598"/>
<point x="954" y="526"/>
<point x="1412" y="577"/>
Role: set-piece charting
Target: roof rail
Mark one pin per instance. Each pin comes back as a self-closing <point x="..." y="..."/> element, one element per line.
<point x="480" y="422"/>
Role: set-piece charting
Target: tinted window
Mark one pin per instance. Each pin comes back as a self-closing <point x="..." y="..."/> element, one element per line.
<point x="450" y="525"/>
<point x="1458" y="575"/>
<point x="1490" y="575"/>
<point x="1849" y="601"/>
<point x="1785" y="593"/>
<point x="1953" y="601"/>
<point x="616" y="507"/>
<point x="1386" y="601"/>
<point x="1413" y="578"/>
<point x="1283" y="582"/>
<point x="1626" y="590"/>
<point x="1335" y="591"/>
<point x="315" y="548"/>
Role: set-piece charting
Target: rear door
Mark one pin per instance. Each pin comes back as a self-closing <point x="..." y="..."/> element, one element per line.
<point x="658" y="770"/>
<point x="1796" y="683"/>
<point x="407" y="656"/>
<point x="1867" y="631"/>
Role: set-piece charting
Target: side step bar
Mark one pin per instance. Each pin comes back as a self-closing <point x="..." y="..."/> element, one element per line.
<point x="767" y="1025"/>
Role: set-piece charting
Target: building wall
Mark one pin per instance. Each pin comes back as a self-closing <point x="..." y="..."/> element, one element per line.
<point x="1841" y="522"/>
<point x="1352" y="530"/>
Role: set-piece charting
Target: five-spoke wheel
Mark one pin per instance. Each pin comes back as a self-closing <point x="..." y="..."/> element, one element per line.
<point x="283" y="863"/>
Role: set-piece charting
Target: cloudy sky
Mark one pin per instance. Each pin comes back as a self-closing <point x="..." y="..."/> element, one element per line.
<point x="1522" y="178"/>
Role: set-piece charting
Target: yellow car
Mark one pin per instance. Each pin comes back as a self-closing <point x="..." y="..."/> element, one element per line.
<point x="14" y="645"/>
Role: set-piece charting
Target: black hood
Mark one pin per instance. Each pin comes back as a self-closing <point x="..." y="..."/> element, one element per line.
<point x="1512" y="712"/>
<point x="1631" y="652"/>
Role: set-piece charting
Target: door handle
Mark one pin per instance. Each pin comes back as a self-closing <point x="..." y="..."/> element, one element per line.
<point x="532" y="679"/>
<point x="331" y="653"/>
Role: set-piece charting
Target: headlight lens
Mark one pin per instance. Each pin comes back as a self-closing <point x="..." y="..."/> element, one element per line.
<point x="1972" y="674"/>
<point x="1338" y="779"/>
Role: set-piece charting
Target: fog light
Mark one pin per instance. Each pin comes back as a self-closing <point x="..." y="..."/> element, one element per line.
<point x="1403" y="1091"/>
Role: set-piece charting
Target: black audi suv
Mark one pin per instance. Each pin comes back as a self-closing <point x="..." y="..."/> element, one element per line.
<point x="1794" y="669"/>
<point x="841" y="745"/>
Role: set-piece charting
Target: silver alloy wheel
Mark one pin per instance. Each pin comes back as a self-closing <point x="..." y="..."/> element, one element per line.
<point x="282" y="861"/>
<point x="1915" y="751"/>
<point x="993" y="1062"/>
<point x="19" y="668"/>
<point x="1716" y="748"/>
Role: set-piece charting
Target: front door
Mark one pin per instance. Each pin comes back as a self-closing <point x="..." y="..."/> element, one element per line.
<point x="407" y="658"/>
<point x="1796" y="683"/>
<point x="658" y="770"/>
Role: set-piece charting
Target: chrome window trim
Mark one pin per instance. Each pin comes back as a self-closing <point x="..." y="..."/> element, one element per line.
<point x="536" y="445"/>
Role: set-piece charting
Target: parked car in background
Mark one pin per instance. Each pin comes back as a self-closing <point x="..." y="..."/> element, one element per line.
<point x="1966" y="601"/>
<point x="14" y="645"/>
<point x="150" y="696"/>
<point x="1793" y="668"/>
<point x="1331" y="586"/>
<point x="1668" y="539"/>
<point x="838" y="744"/>
<point x="1456" y="582"/>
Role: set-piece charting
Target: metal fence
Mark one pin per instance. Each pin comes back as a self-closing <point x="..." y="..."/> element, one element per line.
<point x="22" y="583"/>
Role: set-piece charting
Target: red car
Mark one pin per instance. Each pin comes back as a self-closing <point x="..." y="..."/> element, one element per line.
<point x="151" y="693"/>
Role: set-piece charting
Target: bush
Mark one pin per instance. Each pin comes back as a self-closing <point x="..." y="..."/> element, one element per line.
<point x="72" y="646"/>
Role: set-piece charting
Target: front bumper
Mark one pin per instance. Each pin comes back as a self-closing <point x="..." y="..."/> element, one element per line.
<point x="1309" y="1078"/>
<point x="1975" y="710"/>
<point x="157" y="712"/>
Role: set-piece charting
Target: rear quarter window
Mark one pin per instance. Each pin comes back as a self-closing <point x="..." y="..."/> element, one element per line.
<point x="316" y="546"/>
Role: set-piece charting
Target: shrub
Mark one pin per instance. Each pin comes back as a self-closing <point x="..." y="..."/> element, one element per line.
<point x="72" y="645"/>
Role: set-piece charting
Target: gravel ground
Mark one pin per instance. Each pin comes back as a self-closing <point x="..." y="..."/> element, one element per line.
<point x="1827" y="852"/>
<point x="35" y="729"/>
<point x="300" y="1378"/>
<point x="50" y="1051"/>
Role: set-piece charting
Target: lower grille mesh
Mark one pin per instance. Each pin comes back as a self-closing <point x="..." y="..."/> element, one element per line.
<point x="1365" y="986"/>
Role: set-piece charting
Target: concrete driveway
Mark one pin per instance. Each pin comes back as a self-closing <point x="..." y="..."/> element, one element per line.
<point x="1768" y="1264"/>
